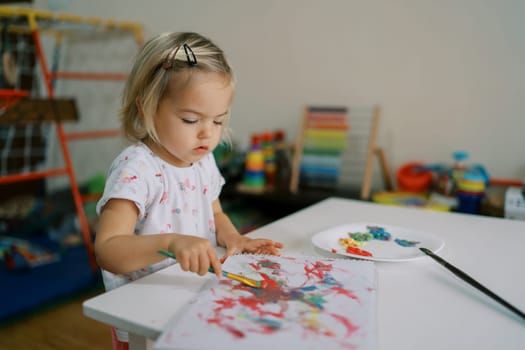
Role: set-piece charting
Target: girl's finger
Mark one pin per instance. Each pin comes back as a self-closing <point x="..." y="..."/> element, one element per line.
<point x="204" y="264"/>
<point x="215" y="264"/>
<point x="184" y="263"/>
<point x="194" y="263"/>
<point x="278" y="245"/>
<point x="229" y="252"/>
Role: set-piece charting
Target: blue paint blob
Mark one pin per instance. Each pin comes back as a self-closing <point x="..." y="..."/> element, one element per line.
<point x="330" y="281"/>
<point x="379" y="233"/>
<point x="272" y="324"/>
<point x="308" y="288"/>
<point x="406" y="243"/>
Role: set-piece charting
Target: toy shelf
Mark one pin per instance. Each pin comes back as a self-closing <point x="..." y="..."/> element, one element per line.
<point x="19" y="106"/>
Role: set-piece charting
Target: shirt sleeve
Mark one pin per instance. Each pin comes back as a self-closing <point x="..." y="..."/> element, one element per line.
<point x="128" y="178"/>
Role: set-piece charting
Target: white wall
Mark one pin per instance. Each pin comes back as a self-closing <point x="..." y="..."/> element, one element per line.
<point x="448" y="74"/>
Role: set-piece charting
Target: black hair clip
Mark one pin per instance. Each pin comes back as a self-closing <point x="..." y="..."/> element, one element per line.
<point x="190" y="56"/>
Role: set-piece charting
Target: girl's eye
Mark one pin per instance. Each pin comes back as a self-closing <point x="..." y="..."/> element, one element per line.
<point x="218" y="122"/>
<point x="189" y="121"/>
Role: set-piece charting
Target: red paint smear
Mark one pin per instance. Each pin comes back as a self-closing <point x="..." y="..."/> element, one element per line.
<point x="235" y="332"/>
<point x="345" y="292"/>
<point x="350" y="327"/>
<point x="220" y="320"/>
<point x="357" y="251"/>
<point x="318" y="269"/>
<point x="226" y="303"/>
<point x="269" y="283"/>
<point x="255" y="303"/>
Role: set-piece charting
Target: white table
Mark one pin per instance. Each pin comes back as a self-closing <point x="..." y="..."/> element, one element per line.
<point x="421" y="305"/>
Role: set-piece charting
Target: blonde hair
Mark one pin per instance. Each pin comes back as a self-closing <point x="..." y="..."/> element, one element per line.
<point x="160" y="58"/>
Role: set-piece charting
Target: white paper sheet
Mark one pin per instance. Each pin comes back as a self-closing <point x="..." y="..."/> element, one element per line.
<point x="309" y="303"/>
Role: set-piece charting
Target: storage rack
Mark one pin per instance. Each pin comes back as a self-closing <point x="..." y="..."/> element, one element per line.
<point x="36" y="23"/>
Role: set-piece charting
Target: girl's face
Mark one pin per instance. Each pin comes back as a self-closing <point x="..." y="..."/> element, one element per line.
<point x="189" y="119"/>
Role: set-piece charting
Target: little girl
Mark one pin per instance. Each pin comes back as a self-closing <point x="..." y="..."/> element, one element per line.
<point x="162" y="192"/>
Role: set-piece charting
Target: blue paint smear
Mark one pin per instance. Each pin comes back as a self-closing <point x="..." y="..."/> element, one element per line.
<point x="308" y="288"/>
<point x="406" y="243"/>
<point x="330" y="281"/>
<point x="273" y="324"/>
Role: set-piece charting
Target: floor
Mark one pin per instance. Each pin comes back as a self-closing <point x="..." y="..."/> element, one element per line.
<point x="61" y="325"/>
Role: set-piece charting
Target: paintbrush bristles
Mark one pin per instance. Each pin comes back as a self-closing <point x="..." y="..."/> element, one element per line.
<point x="245" y="280"/>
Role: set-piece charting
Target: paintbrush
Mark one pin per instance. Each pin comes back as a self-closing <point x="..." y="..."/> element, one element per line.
<point x="462" y="275"/>
<point x="244" y="280"/>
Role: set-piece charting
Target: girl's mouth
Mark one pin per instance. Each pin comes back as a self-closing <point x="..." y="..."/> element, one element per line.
<point x="201" y="149"/>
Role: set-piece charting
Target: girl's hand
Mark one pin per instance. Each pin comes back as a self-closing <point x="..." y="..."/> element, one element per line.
<point x="195" y="254"/>
<point x="244" y="244"/>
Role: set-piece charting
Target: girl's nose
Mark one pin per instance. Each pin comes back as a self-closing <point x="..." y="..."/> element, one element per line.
<point x="205" y="130"/>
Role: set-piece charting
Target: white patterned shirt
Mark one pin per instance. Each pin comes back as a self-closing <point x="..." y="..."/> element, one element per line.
<point x="169" y="199"/>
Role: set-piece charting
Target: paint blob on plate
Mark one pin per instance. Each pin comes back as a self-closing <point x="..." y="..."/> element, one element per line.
<point x="377" y="242"/>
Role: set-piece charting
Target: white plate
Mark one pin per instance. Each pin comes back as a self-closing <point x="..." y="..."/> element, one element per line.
<point x="380" y="250"/>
